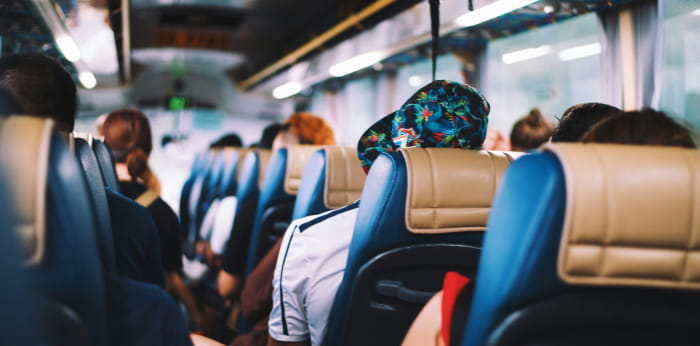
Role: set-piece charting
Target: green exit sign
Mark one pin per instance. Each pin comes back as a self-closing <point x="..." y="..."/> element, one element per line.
<point x="177" y="103"/>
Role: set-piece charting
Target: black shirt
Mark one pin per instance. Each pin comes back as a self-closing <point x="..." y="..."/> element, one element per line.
<point x="167" y="223"/>
<point x="136" y="240"/>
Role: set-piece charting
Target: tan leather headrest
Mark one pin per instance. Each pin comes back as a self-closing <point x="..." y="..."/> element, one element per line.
<point x="632" y="217"/>
<point x="297" y="157"/>
<point x="24" y="157"/>
<point x="264" y="156"/>
<point x="344" y="177"/>
<point x="451" y="190"/>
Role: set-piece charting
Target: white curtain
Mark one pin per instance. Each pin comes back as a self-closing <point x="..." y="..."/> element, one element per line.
<point x="648" y="42"/>
<point x="610" y="58"/>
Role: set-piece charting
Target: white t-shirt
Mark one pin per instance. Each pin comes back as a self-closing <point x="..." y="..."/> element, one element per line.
<point x="309" y="269"/>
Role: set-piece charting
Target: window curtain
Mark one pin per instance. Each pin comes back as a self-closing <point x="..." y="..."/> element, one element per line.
<point x="610" y="58"/>
<point x="648" y="41"/>
<point x="647" y="21"/>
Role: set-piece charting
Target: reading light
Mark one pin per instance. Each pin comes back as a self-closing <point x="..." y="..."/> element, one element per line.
<point x="491" y="11"/>
<point x="526" y="54"/>
<point x="87" y="79"/>
<point x="286" y="90"/>
<point x="579" y="52"/>
<point x="355" y="64"/>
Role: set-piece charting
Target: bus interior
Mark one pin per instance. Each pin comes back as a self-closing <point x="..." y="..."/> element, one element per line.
<point x="203" y="69"/>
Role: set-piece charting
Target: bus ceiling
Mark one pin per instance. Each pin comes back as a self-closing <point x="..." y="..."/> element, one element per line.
<point x="253" y="42"/>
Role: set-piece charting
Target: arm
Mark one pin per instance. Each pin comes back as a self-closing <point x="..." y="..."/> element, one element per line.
<point x="199" y="340"/>
<point x="229" y="285"/>
<point x="288" y="322"/>
<point x="425" y="329"/>
<point x="177" y="285"/>
<point x="273" y="342"/>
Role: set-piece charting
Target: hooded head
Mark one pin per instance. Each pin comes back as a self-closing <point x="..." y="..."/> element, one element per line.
<point x="442" y="114"/>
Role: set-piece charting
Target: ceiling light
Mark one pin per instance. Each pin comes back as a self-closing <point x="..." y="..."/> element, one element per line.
<point x="415" y="81"/>
<point x="696" y="12"/>
<point x="286" y="90"/>
<point x="87" y="79"/>
<point x="355" y="64"/>
<point x="68" y="47"/>
<point x="579" y="52"/>
<point x="491" y="11"/>
<point x="526" y="54"/>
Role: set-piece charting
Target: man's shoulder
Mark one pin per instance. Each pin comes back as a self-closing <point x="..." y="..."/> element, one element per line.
<point x="333" y="217"/>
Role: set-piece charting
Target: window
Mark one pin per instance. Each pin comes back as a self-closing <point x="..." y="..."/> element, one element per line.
<point x="552" y="68"/>
<point x="680" y="87"/>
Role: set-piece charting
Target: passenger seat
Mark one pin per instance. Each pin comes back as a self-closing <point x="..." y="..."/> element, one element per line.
<point x="422" y="213"/>
<point x="58" y="239"/>
<point x="276" y="203"/>
<point x="591" y="245"/>
<point x="333" y="178"/>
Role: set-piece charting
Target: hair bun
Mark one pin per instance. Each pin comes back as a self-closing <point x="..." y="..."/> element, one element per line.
<point x="137" y="163"/>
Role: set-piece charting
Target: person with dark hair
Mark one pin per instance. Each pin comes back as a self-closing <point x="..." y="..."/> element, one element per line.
<point x="227" y="140"/>
<point x="128" y="133"/>
<point x="578" y="119"/>
<point x="41" y="87"/>
<point x="268" y="135"/>
<point x="530" y="131"/>
<point x="645" y="127"/>
<point x="8" y="104"/>
<point x="139" y="313"/>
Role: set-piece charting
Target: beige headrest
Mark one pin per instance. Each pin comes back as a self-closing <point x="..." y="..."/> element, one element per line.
<point x="297" y="157"/>
<point x="264" y="156"/>
<point x="632" y="217"/>
<point x="451" y="190"/>
<point x="24" y="157"/>
<point x="344" y="177"/>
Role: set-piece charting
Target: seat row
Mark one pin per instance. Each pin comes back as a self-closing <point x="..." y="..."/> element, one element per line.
<point x="584" y="242"/>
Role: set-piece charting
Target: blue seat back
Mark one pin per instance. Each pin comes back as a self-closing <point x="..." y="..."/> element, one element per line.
<point x="253" y="170"/>
<point x="607" y="275"/>
<point x="228" y="183"/>
<point x="59" y="237"/>
<point x="332" y="179"/>
<point x="19" y="316"/>
<point x="191" y="195"/>
<point x="439" y="179"/>
<point x="96" y="188"/>
<point x="274" y="209"/>
<point x="106" y="161"/>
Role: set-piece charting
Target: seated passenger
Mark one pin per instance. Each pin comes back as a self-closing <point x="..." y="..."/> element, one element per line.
<point x="496" y="140"/>
<point x="530" y="131"/>
<point x="128" y="133"/>
<point x="645" y="127"/>
<point x="43" y="88"/>
<point x="8" y="104"/>
<point x="578" y="119"/>
<point x="256" y="294"/>
<point x="300" y="128"/>
<point x="268" y="136"/>
<point x="315" y="249"/>
<point x="227" y="140"/>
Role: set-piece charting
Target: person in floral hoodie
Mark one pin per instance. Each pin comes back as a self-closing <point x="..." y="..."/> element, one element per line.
<point x="314" y="249"/>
